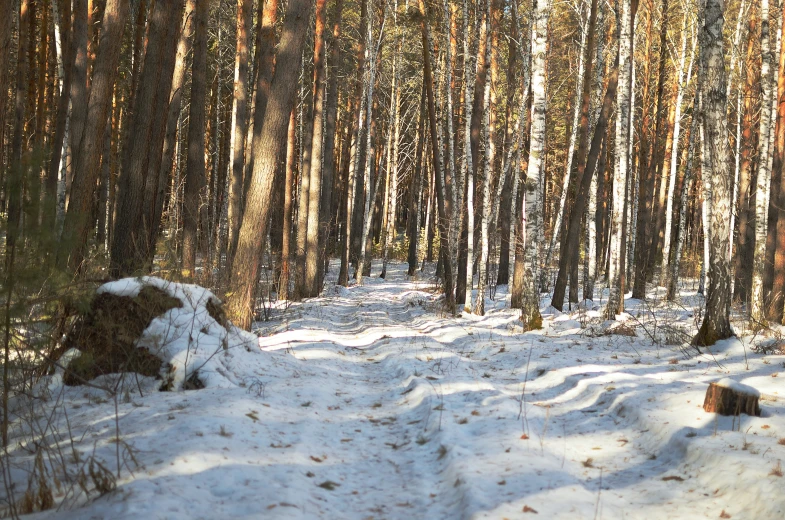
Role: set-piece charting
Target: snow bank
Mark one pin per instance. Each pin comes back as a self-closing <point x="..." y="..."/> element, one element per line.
<point x="190" y="339"/>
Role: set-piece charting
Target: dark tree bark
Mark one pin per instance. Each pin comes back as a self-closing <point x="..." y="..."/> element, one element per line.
<point x="239" y="115"/>
<point x="443" y="203"/>
<point x="195" y="177"/>
<point x="88" y="157"/>
<point x="78" y="87"/>
<point x="326" y="200"/>
<point x="129" y="244"/>
<point x="568" y="256"/>
<point x="268" y="147"/>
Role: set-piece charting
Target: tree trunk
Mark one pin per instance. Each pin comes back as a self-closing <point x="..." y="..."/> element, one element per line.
<point x="569" y="255"/>
<point x="173" y="117"/>
<point x="675" y="264"/>
<point x="487" y="174"/>
<point x="716" y="322"/>
<point x="533" y="213"/>
<point x="73" y="244"/>
<point x="311" y="285"/>
<point x="778" y="287"/>
<point x="326" y="201"/>
<point x="268" y="147"/>
<point x="79" y="109"/>
<point x="264" y="65"/>
<point x="195" y="177"/>
<point x="681" y="87"/>
<point x="443" y="204"/>
<point x="291" y="172"/>
<point x="6" y="40"/>
<point x="415" y="191"/>
<point x="744" y="257"/>
<point x="622" y="161"/>
<point x="240" y="113"/>
<point x="763" y="177"/>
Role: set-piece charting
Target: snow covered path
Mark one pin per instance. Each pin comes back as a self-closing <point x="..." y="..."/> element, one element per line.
<point x="372" y="404"/>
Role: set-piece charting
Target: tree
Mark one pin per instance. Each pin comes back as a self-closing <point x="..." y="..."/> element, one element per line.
<point x="764" y="173"/>
<point x="617" y="229"/>
<point x="195" y="179"/>
<point x="530" y="311"/>
<point x="267" y="152"/>
<point x="716" y="321"/>
<point x="88" y="156"/>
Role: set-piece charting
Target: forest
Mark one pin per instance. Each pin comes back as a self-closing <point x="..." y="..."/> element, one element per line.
<point x="272" y="204"/>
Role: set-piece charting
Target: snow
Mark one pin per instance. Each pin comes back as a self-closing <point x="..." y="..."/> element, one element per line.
<point x="189" y="339"/>
<point x="371" y="402"/>
<point x="737" y="387"/>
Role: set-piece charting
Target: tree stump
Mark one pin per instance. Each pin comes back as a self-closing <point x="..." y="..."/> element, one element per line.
<point x="727" y="397"/>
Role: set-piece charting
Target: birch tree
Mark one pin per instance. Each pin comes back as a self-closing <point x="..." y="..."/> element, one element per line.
<point x="533" y="213"/>
<point x="622" y="162"/>
<point x="716" y="321"/>
<point x="763" y="173"/>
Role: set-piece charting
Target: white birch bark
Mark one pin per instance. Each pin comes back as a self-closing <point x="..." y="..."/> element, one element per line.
<point x="490" y="150"/>
<point x="590" y="260"/>
<point x="533" y="212"/>
<point x="764" y="169"/>
<point x="716" y="321"/>
<point x="675" y="148"/>
<point x="371" y="191"/>
<point x="673" y="268"/>
<point x="633" y="177"/>
<point x="394" y="130"/>
<point x="737" y="163"/>
<point x="469" y="76"/>
<point x="621" y="164"/>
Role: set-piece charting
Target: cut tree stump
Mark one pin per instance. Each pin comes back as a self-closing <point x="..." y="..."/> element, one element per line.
<point x="727" y="397"/>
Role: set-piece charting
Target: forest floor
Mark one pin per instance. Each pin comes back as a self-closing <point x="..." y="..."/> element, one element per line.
<point x="371" y="403"/>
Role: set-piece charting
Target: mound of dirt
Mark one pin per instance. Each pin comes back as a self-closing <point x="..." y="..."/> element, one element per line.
<point x="107" y="335"/>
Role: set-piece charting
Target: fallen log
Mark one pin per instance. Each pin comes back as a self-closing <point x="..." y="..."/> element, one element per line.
<point x="728" y="397"/>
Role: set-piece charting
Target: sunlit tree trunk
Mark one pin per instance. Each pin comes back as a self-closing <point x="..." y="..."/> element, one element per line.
<point x="684" y="69"/>
<point x="443" y="205"/>
<point x="763" y="176"/>
<point x="622" y="161"/>
<point x="744" y="257"/>
<point x="673" y="268"/>
<point x="582" y="79"/>
<point x="416" y="190"/>
<point x="288" y="206"/>
<point x="239" y="113"/>
<point x="470" y="73"/>
<point x="533" y="212"/>
<point x="268" y="147"/>
<point x="392" y="163"/>
<point x="716" y="321"/>
<point x="569" y="255"/>
<point x="487" y="172"/>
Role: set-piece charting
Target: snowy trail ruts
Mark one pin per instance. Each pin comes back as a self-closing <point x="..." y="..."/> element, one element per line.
<point x="416" y="415"/>
<point x="371" y="403"/>
<point x="359" y="414"/>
